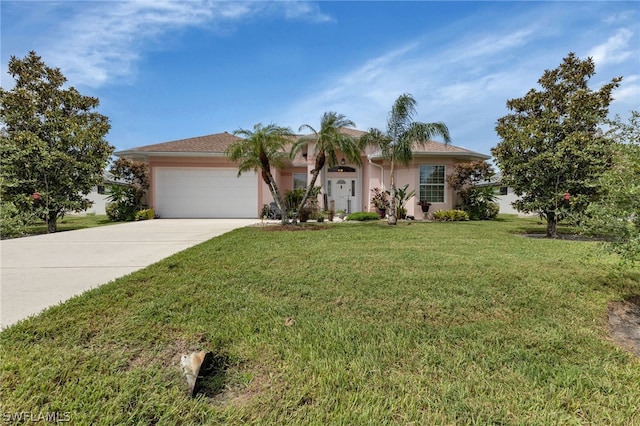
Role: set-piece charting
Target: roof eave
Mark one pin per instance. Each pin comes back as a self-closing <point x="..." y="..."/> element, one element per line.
<point x="146" y="154"/>
<point x="470" y="155"/>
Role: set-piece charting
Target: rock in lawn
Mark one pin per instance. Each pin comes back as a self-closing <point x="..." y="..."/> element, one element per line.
<point x="194" y="366"/>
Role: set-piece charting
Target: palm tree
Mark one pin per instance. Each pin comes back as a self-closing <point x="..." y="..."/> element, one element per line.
<point x="259" y="150"/>
<point x="396" y="144"/>
<point x="328" y="141"/>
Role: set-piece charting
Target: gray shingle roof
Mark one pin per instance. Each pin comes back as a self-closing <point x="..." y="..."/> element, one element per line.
<point x="218" y="143"/>
<point x="210" y="143"/>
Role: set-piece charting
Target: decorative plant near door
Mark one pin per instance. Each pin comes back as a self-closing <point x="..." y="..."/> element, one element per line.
<point x="380" y="200"/>
<point x="402" y="197"/>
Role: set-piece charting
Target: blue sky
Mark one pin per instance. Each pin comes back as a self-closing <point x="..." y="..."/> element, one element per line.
<point x="167" y="70"/>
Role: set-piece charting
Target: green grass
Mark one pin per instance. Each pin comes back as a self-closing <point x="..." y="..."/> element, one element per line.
<point x="423" y="323"/>
<point x="71" y="223"/>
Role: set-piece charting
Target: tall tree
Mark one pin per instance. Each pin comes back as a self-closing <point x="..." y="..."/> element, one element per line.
<point x="328" y="141"/>
<point x="259" y="150"/>
<point x="402" y="136"/>
<point x="551" y="151"/>
<point x="616" y="214"/>
<point x="53" y="150"/>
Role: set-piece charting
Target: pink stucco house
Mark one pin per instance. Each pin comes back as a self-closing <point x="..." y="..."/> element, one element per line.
<point x="192" y="178"/>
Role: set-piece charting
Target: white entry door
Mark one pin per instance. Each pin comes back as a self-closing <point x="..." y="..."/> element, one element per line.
<point x="342" y="194"/>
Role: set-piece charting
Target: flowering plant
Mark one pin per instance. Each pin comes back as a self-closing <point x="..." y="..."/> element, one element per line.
<point x="379" y="199"/>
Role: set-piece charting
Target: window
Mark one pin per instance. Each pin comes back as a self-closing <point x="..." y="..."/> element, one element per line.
<point x="432" y="184"/>
<point x="299" y="180"/>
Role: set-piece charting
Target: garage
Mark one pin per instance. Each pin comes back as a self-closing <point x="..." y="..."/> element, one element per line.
<point x="204" y="192"/>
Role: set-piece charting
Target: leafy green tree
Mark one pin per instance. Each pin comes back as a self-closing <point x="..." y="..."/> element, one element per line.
<point x="478" y="201"/>
<point x="551" y="151"/>
<point x="398" y="142"/>
<point x="328" y="141"/>
<point x="260" y="149"/>
<point x="53" y="150"/>
<point x="617" y="213"/>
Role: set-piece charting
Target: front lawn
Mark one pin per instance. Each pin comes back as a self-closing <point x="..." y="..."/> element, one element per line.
<point x="423" y="323"/>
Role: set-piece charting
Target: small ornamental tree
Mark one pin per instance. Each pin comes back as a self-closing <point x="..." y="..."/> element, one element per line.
<point x="127" y="197"/>
<point x="53" y="148"/>
<point x="551" y="151"/>
<point x="477" y="201"/>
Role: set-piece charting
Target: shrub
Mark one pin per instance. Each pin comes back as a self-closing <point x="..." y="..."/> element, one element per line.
<point x="122" y="205"/>
<point x="120" y="212"/>
<point x="450" y="215"/>
<point x="145" y="214"/>
<point x="492" y="210"/>
<point x="305" y="214"/>
<point x="480" y="203"/>
<point x="12" y="222"/>
<point x="363" y="216"/>
<point x="402" y="213"/>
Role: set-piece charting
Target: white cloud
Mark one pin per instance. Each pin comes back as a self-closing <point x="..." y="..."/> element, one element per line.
<point x="100" y="42"/>
<point x="458" y="84"/>
<point x="615" y="50"/>
<point x="304" y="10"/>
<point x="496" y="43"/>
<point x="629" y="91"/>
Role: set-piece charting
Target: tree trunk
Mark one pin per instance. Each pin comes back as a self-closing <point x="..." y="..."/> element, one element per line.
<point x="392" y="217"/>
<point x="52" y="222"/>
<point x="320" y="160"/>
<point x="552" y="225"/>
<point x="273" y="188"/>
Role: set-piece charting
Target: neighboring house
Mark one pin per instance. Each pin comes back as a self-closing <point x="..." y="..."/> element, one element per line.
<point x="99" y="195"/>
<point x="505" y="197"/>
<point x="192" y="178"/>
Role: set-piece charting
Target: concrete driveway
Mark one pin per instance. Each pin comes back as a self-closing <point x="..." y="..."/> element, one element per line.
<point x="44" y="270"/>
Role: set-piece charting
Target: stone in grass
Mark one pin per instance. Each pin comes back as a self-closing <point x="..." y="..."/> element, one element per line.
<point x="195" y="368"/>
<point x="206" y="373"/>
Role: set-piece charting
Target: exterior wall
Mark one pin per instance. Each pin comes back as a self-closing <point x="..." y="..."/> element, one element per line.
<point x="99" y="202"/>
<point x="504" y="201"/>
<point x="411" y="175"/>
<point x="368" y="176"/>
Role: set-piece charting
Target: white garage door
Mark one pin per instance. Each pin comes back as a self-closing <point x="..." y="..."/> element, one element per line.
<point x="199" y="192"/>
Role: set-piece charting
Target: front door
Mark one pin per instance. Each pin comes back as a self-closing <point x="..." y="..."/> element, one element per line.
<point x="341" y="194"/>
